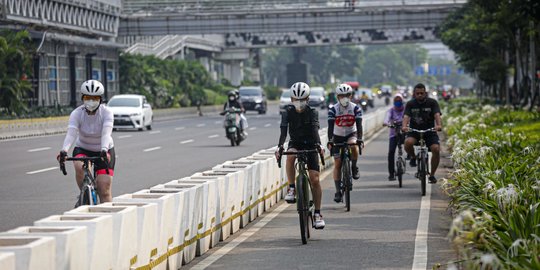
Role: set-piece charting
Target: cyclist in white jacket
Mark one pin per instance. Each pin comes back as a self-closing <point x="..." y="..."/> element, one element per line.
<point x="90" y="127"/>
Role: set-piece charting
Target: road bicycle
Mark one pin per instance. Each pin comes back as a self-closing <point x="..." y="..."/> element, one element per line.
<point x="89" y="194"/>
<point x="422" y="158"/>
<point x="346" y="172"/>
<point x="304" y="201"/>
<point x="400" y="161"/>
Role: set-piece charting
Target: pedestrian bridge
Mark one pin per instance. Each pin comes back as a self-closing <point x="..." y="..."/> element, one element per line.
<point x="251" y="24"/>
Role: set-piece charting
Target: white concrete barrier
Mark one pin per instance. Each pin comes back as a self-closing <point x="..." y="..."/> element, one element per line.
<point x="220" y="230"/>
<point x="7" y="260"/>
<point x="206" y="202"/>
<point x="257" y="190"/>
<point x="165" y="223"/>
<point x="233" y="198"/>
<point x="99" y="235"/>
<point x="266" y="183"/>
<point x="31" y="252"/>
<point x="224" y="222"/>
<point x="147" y="231"/>
<point x="71" y="244"/>
<point x="248" y="196"/>
<point x="175" y="244"/>
<point x="243" y="190"/>
<point x="274" y="172"/>
<point x="125" y="245"/>
<point x="238" y="183"/>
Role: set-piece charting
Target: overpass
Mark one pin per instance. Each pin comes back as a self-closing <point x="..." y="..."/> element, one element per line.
<point x="255" y="24"/>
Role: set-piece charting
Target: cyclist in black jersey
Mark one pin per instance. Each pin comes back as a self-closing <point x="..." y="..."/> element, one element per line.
<point x="302" y="122"/>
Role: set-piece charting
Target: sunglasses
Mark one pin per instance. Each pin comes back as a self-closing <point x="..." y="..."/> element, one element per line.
<point x="88" y="98"/>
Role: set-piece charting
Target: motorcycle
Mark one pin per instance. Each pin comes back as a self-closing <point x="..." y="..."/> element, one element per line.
<point x="387" y="100"/>
<point x="232" y="126"/>
<point x="364" y="104"/>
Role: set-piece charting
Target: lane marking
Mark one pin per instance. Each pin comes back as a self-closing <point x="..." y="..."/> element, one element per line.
<point x="213" y="136"/>
<point x="243" y="237"/>
<point x="42" y="170"/>
<point x="155" y="132"/>
<point x="179" y="128"/>
<point x="252" y="128"/>
<point x="422" y="230"/>
<point x="124" y="136"/>
<point x="267" y="125"/>
<point x="152" y="149"/>
<point x="187" y="141"/>
<point x="201" y="125"/>
<point x="217" y="122"/>
<point x="38" y="149"/>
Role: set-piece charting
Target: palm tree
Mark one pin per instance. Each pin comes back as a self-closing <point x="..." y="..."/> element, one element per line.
<point x="15" y="63"/>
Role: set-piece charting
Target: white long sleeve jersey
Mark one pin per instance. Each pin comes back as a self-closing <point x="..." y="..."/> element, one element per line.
<point x="345" y="118"/>
<point x="92" y="132"/>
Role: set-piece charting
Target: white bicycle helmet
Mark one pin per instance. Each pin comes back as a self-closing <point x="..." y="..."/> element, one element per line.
<point x="300" y="90"/>
<point x="92" y="88"/>
<point x="343" y="89"/>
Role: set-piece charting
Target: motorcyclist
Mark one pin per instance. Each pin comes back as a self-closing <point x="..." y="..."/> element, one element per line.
<point x="234" y="102"/>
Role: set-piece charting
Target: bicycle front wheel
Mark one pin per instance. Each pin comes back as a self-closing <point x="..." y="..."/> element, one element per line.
<point x="302" y="208"/>
<point x="399" y="171"/>
<point x="422" y="173"/>
<point x="346" y="181"/>
<point x="85" y="198"/>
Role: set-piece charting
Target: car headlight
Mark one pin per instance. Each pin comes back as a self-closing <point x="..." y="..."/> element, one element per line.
<point x="258" y="100"/>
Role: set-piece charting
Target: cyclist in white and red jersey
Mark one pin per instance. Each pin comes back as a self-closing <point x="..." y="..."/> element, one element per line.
<point x="344" y="125"/>
<point x="90" y="127"/>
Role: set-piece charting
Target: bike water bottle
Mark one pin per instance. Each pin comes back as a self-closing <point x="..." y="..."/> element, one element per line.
<point x="94" y="197"/>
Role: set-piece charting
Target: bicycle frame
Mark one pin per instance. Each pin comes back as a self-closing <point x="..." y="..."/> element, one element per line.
<point x="88" y="194"/>
<point x="422" y="158"/>
<point x="346" y="172"/>
<point x="400" y="162"/>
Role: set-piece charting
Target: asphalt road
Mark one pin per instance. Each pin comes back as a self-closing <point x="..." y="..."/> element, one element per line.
<point x="378" y="233"/>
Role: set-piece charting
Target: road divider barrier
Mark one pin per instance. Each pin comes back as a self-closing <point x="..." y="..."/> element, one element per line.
<point x="163" y="227"/>
<point x="7" y="260"/>
<point x="71" y="244"/>
<point x="31" y="252"/>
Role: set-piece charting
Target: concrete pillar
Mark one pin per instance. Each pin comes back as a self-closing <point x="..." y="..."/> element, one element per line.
<point x="237" y="73"/>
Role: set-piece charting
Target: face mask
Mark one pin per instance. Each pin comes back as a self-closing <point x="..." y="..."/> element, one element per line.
<point x="231" y="98"/>
<point x="398" y="104"/>
<point x="344" y="101"/>
<point x="91" y="105"/>
<point x="300" y="105"/>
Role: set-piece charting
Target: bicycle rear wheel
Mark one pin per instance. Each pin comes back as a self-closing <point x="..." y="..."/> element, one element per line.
<point x="302" y="208"/>
<point x="399" y="171"/>
<point x="422" y="173"/>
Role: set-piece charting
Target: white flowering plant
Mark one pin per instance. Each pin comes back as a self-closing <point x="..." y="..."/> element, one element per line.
<point x="495" y="189"/>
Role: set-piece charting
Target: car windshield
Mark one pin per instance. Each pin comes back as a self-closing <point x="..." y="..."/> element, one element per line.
<point x="124" y="102"/>
<point x="317" y="93"/>
<point x="286" y="94"/>
<point x="250" y="92"/>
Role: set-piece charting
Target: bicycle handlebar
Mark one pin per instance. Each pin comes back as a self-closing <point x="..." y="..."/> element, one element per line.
<point x="422" y="130"/>
<point x="63" y="165"/>
<point x="301" y="152"/>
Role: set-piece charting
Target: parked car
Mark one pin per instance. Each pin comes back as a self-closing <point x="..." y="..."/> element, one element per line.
<point x="253" y="98"/>
<point x="316" y="97"/>
<point x="131" y="111"/>
<point x="284" y="100"/>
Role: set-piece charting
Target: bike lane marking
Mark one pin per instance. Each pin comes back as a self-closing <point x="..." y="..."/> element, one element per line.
<point x="213" y="136"/>
<point x="252" y="128"/>
<point x="187" y="141"/>
<point x="422" y="230"/>
<point x="201" y="125"/>
<point x="42" y="170"/>
<point x="222" y="251"/>
<point x="38" y="149"/>
<point x="152" y="149"/>
<point x="179" y="128"/>
<point x="267" y="125"/>
<point x="154" y="132"/>
<point x="124" y="136"/>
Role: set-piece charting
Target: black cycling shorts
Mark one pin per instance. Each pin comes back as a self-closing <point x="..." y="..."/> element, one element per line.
<point x="99" y="166"/>
<point x="313" y="158"/>
<point x="430" y="137"/>
<point x="340" y="139"/>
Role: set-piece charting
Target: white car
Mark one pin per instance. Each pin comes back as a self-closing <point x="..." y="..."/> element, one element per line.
<point x="131" y="111"/>
<point x="284" y="100"/>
